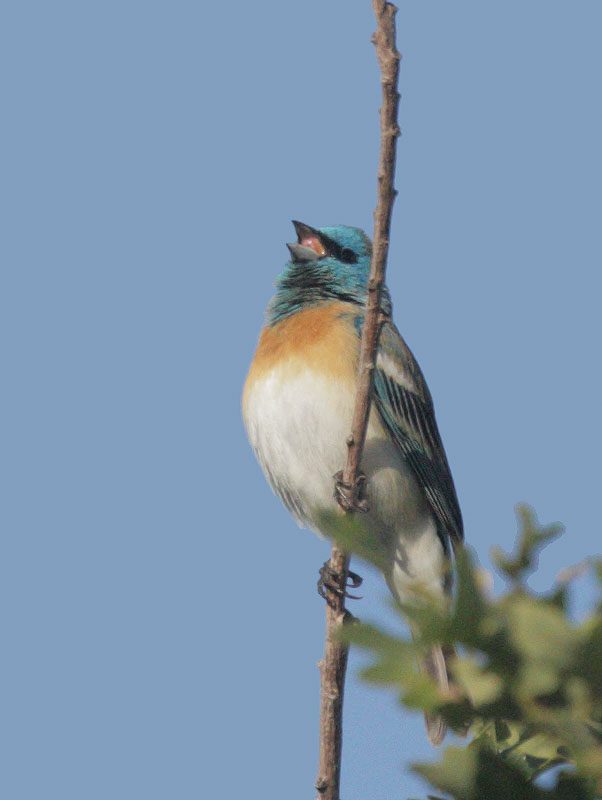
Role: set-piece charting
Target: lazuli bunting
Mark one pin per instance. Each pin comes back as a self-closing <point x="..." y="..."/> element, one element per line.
<point x="297" y="407"/>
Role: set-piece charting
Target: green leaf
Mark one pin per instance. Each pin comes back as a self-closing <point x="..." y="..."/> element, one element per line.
<point x="395" y="659"/>
<point x="540" y="633"/>
<point x="589" y="657"/>
<point x="455" y="773"/>
<point x="531" y="538"/>
<point x="470" y="606"/>
<point x="482" y="685"/>
<point x="497" y="777"/>
<point x="536" y="752"/>
<point x="534" y="678"/>
<point x="572" y="787"/>
<point x="477" y="774"/>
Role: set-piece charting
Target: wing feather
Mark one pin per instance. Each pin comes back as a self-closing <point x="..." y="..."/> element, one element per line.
<point x="406" y="409"/>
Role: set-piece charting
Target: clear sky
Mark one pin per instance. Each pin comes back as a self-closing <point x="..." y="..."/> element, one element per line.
<point x="160" y="624"/>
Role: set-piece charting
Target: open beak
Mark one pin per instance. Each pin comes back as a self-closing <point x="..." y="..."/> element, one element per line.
<point x="309" y="246"/>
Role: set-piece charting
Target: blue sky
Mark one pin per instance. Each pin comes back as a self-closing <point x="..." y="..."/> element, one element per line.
<point x="160" y="624"/>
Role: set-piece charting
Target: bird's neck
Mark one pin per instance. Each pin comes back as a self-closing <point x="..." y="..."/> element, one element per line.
<point x="298" y="289"/>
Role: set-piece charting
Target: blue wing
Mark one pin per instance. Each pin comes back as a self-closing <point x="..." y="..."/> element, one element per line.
<point x="406" y="409"/>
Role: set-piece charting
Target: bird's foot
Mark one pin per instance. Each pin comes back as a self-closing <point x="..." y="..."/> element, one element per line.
<point x="351" y="498"/>
<point x="332" y="581"/>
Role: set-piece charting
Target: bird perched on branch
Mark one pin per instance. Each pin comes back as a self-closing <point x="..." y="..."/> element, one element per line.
<point x="297" y="406"/>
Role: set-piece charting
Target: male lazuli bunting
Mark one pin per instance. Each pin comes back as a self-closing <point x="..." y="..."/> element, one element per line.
<point x="297" y="407"/>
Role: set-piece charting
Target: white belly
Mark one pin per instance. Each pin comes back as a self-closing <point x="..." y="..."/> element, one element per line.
<point x="298" y="428"/>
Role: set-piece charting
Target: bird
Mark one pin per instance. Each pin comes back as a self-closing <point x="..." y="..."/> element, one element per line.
<point x="297" y="407"/>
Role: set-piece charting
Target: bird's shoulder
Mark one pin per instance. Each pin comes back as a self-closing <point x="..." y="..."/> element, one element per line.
<point x="397" y="362"/>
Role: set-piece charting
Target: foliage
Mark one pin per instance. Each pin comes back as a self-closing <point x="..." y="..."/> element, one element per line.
<point x="534" y="677"/>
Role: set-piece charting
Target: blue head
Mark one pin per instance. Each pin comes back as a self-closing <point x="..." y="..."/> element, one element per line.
<point x="326" y="264"/>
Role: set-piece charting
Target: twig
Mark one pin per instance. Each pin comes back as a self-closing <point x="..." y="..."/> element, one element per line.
<point x="332" y="678"/>
<point x="388" y="59"/>
<point x="334" y="663"/>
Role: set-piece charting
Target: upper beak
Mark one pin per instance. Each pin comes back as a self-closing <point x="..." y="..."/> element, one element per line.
<point x="303" y="231"/>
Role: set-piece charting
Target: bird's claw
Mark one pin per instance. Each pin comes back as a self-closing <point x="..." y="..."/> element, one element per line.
<point x="333" y="581"/>
<point x="351" y="498"/>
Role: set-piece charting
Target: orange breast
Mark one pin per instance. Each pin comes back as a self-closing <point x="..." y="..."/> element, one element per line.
<point x="322" y="338"/>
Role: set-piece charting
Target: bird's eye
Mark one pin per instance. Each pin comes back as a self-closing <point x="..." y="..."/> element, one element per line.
<point x="348" y="256"/>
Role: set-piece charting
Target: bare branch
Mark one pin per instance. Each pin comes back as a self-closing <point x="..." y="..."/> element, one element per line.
<point x="347" y="490"/>
<point x="348" y="484"/>
<point x="332" y="678"/>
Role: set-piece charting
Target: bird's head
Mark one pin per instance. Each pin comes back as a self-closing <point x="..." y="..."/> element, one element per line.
<point x="340" y="251"/>
<point x="326" y="264"/>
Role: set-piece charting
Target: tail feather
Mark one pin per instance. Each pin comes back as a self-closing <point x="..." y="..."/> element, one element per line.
<point x="435" y="664"/>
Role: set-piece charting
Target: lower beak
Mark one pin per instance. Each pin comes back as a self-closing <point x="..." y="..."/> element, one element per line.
<point x="302" y="254"/>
